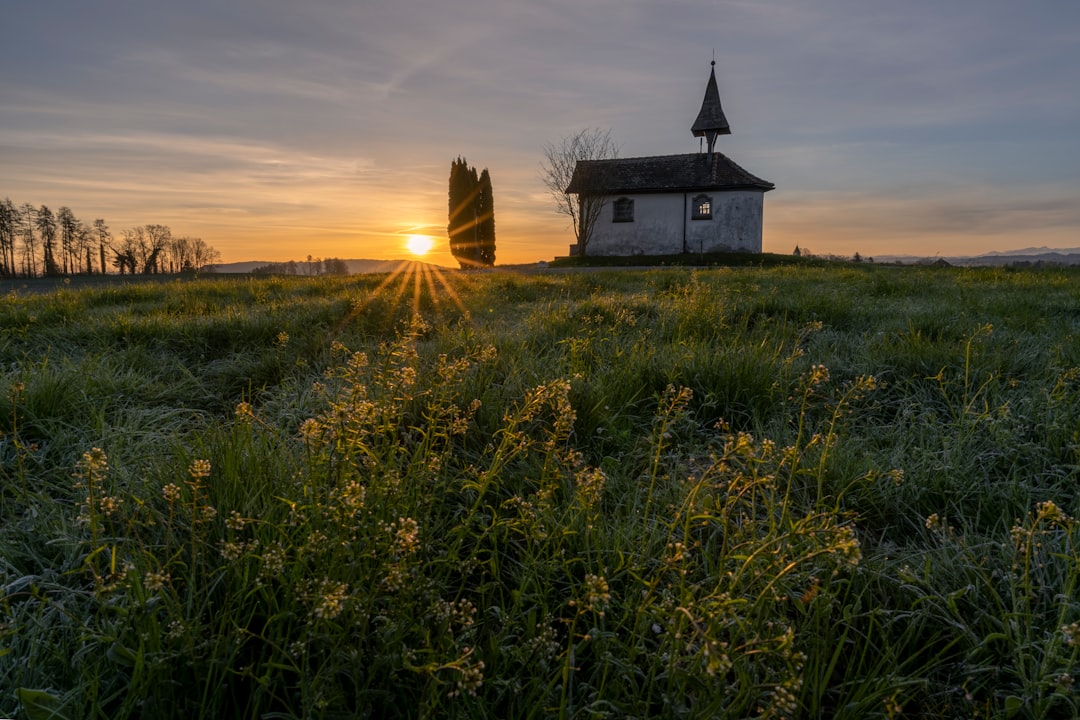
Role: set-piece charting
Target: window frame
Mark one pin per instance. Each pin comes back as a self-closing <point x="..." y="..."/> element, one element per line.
<point x="702" y="200"/>
<point x="622" y="210"/>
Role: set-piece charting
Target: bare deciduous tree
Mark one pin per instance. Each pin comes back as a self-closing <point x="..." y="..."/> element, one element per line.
<point x="28" y="213"/>
<point x="104" y="238"/>
<point x="203" y="256"/>
<point x="557" y="170"/>
<point x="9" y="224"/>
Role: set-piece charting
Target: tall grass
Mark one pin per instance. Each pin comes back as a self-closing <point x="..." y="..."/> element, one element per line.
<point x="783" y="492"/>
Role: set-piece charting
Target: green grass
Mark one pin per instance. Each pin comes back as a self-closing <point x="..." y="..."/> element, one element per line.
<point x="766" y="491"/>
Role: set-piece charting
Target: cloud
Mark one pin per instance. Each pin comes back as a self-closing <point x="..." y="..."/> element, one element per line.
<point x="902" y="121"/>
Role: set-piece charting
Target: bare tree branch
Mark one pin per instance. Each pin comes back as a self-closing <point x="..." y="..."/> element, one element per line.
<point x="557" y="170"/>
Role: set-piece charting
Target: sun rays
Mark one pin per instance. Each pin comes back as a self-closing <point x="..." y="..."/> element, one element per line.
<point x="426" y="287"/>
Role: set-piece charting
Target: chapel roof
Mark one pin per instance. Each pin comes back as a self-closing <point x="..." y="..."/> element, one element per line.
<point x="663" y="173"/>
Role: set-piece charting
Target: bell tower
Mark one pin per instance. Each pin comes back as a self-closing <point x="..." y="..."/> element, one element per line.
<point x="710" y="120"/>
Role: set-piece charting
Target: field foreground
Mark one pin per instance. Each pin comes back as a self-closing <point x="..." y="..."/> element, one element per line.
<point x="727" y="493"/>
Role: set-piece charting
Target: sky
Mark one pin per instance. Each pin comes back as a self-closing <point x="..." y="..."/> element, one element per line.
<point x="277" y="129"/>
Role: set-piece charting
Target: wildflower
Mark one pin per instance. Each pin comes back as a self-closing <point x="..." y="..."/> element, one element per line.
<point x="273" y="562"/>
<point x="934" y="522"/>
<point x="1072" y="634"/>
<point x="235" y="521"/>
<point x="897" y="476"/>
<point x="679" y="552"/>
<point x="405" y="378"/>
<point x="459" y="425"/>
<point x="352" y="495"/>
<point x="114" y="579"/>
<point x="199" y="469"/>
<point x="232" y="551"/>
<point x="328" y="599"/>
<point x="1064" y="683"/>
<point x="315" y="542"/>
<point x="244" y="413"/>
<point x="847" y="544"/>
<point x="818" y="375"/>
<point x="597" y="593"/>
<point x="397" y="575"/>
<point x="282" y="339"/>
<point x="461" y="612"/>
<point x="406" y="536"/>
<point x="1018" y="534"/>
<point x="310" y="430"/>
<point x="744" y="444"/>
<point x="471" y="676"/>
<point x="590" y="485"/>
<point x="1049" y="511"/>
<point x="357" y="361"/>
<point x="109" y="505"/>
<point x="176" y="630"/>
<point x="155" y="581"/>
<point x="93" y="465"/>
<point x="784" y="702"/>
<point x="171" y="493"/>
<point x="544" y="646"/>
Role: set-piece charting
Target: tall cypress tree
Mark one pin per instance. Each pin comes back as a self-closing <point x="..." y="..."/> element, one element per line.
<point x="485" y="228"/>
<point x="471" y="226"/>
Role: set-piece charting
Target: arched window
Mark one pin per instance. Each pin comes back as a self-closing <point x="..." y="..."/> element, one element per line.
<point x="622" y="210"/>
<point x="702" y="207"/>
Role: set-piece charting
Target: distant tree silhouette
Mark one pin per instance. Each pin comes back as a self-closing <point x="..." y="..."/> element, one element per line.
<point x="328" y="266"/>
<point x="9" y="224"/>
<point x="34" y="240"/>
<point x="471" y="215"/>
<point x="45" y="222"/>
<point x="27" y="214"/>
<point x="69" y="227"/>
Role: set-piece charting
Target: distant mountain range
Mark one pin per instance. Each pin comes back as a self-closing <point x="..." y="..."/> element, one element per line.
<point x="1025" y="256"/>
<point x="355" y="266"/>
<point x="1003" y="258"/>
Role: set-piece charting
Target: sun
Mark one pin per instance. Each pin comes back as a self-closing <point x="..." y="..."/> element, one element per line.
<point x="419" y="244"/>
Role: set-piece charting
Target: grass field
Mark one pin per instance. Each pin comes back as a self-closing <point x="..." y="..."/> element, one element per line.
<point x="782" y="492"/>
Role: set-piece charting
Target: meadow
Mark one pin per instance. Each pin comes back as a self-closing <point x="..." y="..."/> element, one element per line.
<point x="778" y="492"/>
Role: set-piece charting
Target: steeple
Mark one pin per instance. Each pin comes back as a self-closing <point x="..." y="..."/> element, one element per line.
<point x="711" y="121"/>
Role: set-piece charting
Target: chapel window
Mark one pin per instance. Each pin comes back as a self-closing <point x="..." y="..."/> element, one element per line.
<point x="702" y="207"/>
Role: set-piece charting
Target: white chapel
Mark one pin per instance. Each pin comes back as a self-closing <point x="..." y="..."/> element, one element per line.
<point x="672" y="204"/>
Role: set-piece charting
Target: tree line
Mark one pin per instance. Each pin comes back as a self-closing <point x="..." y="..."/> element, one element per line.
<point x="35" y="241"/>
<point x="313" y="266"/>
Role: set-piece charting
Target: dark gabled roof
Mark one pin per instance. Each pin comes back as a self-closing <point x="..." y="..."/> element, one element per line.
<point x="662" y="173"/>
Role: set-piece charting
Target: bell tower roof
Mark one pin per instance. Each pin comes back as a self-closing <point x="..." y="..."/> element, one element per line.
<point x="710" y="120"/>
